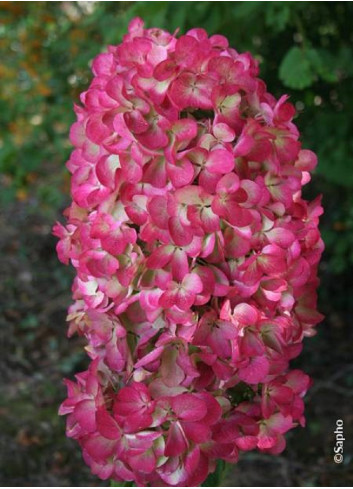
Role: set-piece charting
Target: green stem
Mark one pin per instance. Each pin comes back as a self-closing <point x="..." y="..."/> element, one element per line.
<point x="121" y="484"/>
<point x="217" y="477"/>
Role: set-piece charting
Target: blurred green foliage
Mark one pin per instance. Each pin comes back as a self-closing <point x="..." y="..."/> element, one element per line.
<point x="305" y="49"/>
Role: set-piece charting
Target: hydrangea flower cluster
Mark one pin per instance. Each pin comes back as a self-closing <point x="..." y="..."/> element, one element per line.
<point x="196" y="260"/>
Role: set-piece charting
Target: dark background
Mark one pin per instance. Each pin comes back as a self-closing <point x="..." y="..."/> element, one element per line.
<point x="305" y="50"/>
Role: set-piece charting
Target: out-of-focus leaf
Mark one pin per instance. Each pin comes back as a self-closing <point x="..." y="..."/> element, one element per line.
<point x="323" y="63"/>
<point x="216" y="478"/>
<point x="178" y="15"/>
<point x="242" y="10"/>
<point x="335" y="152"/>
<point x="154" y="13"/>
<point x="121" y="484"/>
<point x="277" y="15"/>
<point x="296" y="70"/>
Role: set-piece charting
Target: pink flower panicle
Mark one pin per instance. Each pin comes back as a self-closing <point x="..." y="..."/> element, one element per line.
<point x="196" y="260"/>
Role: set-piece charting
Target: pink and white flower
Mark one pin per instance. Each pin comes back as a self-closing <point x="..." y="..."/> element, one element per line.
<point x="196" y="260"/>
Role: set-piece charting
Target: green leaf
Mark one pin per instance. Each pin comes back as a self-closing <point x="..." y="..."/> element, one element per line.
<point x="323" y="63"/>
<point x="216" y="478"/>
<point x="333" y="146"/>
<point x="153" y="13"/>
<point x="244" y="10"/>
<point x="178" y="15"/>
<point x="121" y="484"/>
<point x="296" y="70"/>
<point x="277" y="15"/>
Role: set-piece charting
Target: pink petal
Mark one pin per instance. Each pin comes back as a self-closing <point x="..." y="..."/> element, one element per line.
<point x="181" y="172"/>
<point x="154" y="138"/>
<point x="199" y="475"/>
<point x="238" y="216"/>
<point x="99" y="448"/>
<point x="77" y="134"/>
<point x="280" y="423"/>
<point x="246" y="443"/>
<point x="214" y="410"/>
<point x="222" y="283"/>
<point x="165" y="69"/>
<point x="131" y="170"/>
<point x="149" y="299"/>
<point x="267" y="441"/>
<point x="193" y="283"/>
<point x="171" y="373"/>
<point x="181" y="235"/>
<point x="107" y="426"/>
<point x="191" y="194"/>
<point x="253" y="191"/>
<point x="273" y="288"/>
<point x="190" y="90"/>
<point x="236" y="245"/>
<point x="208" y="181"/>
<point x="184" y="299"/>
<point x="245" y="314"/>
<point x="163" y="279"/>
<point x="186" y="50"/>
<point x="227" y="329"/>
<point x="209" y="220"/>
<point x="252" y="344"/>
<point x="137" y="422"/>
<point x="150" y="357"/>
<point x="192" y="460"/>
<point x="116" y="90"/>
<point x="229" y="183"/>
<point x="188" y="407"/>
<point x="176" y="442"/>
<point x="157" y="207"/>
<point x="169" y="298"/>
<point x="160" y="257"/>
<point x="196" y="432"/>
<point x="184" y="129"/>
<point x="220" y="161"/>
<point x="223" y="132"/>
<point x="121" y="471"/>
<point x="307" y="160"/>
<point x="283" y="193"/>
<point x="226" y="431"/>
<point x="298" y="381"/>
<point x="278" y="447"/>
<point x="155" y="173"/>
<point x="244" y="145"/>
<point x="219" y="344"/>
<point x="280" y="236"/>
<point x="85" y="414"/>
<point x="144" y="462"/>
<point x="180" y="264"/>
<point x="282" y="394"/>
<point x="226" y="100"/>
<point x="106" y="170"/>
<point x="272" y="339"/>
<point x="207" y="278"/>
<point x="103" y="64"/>
<point x="287" y="147"/>
<point x="220" y="41"/>
<point x="256" y="371"/>
<point x="136" y="122"/>
<point x="96" y="130"/>
<point x="127" y="401"/>
<point x="272" y="260"/>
